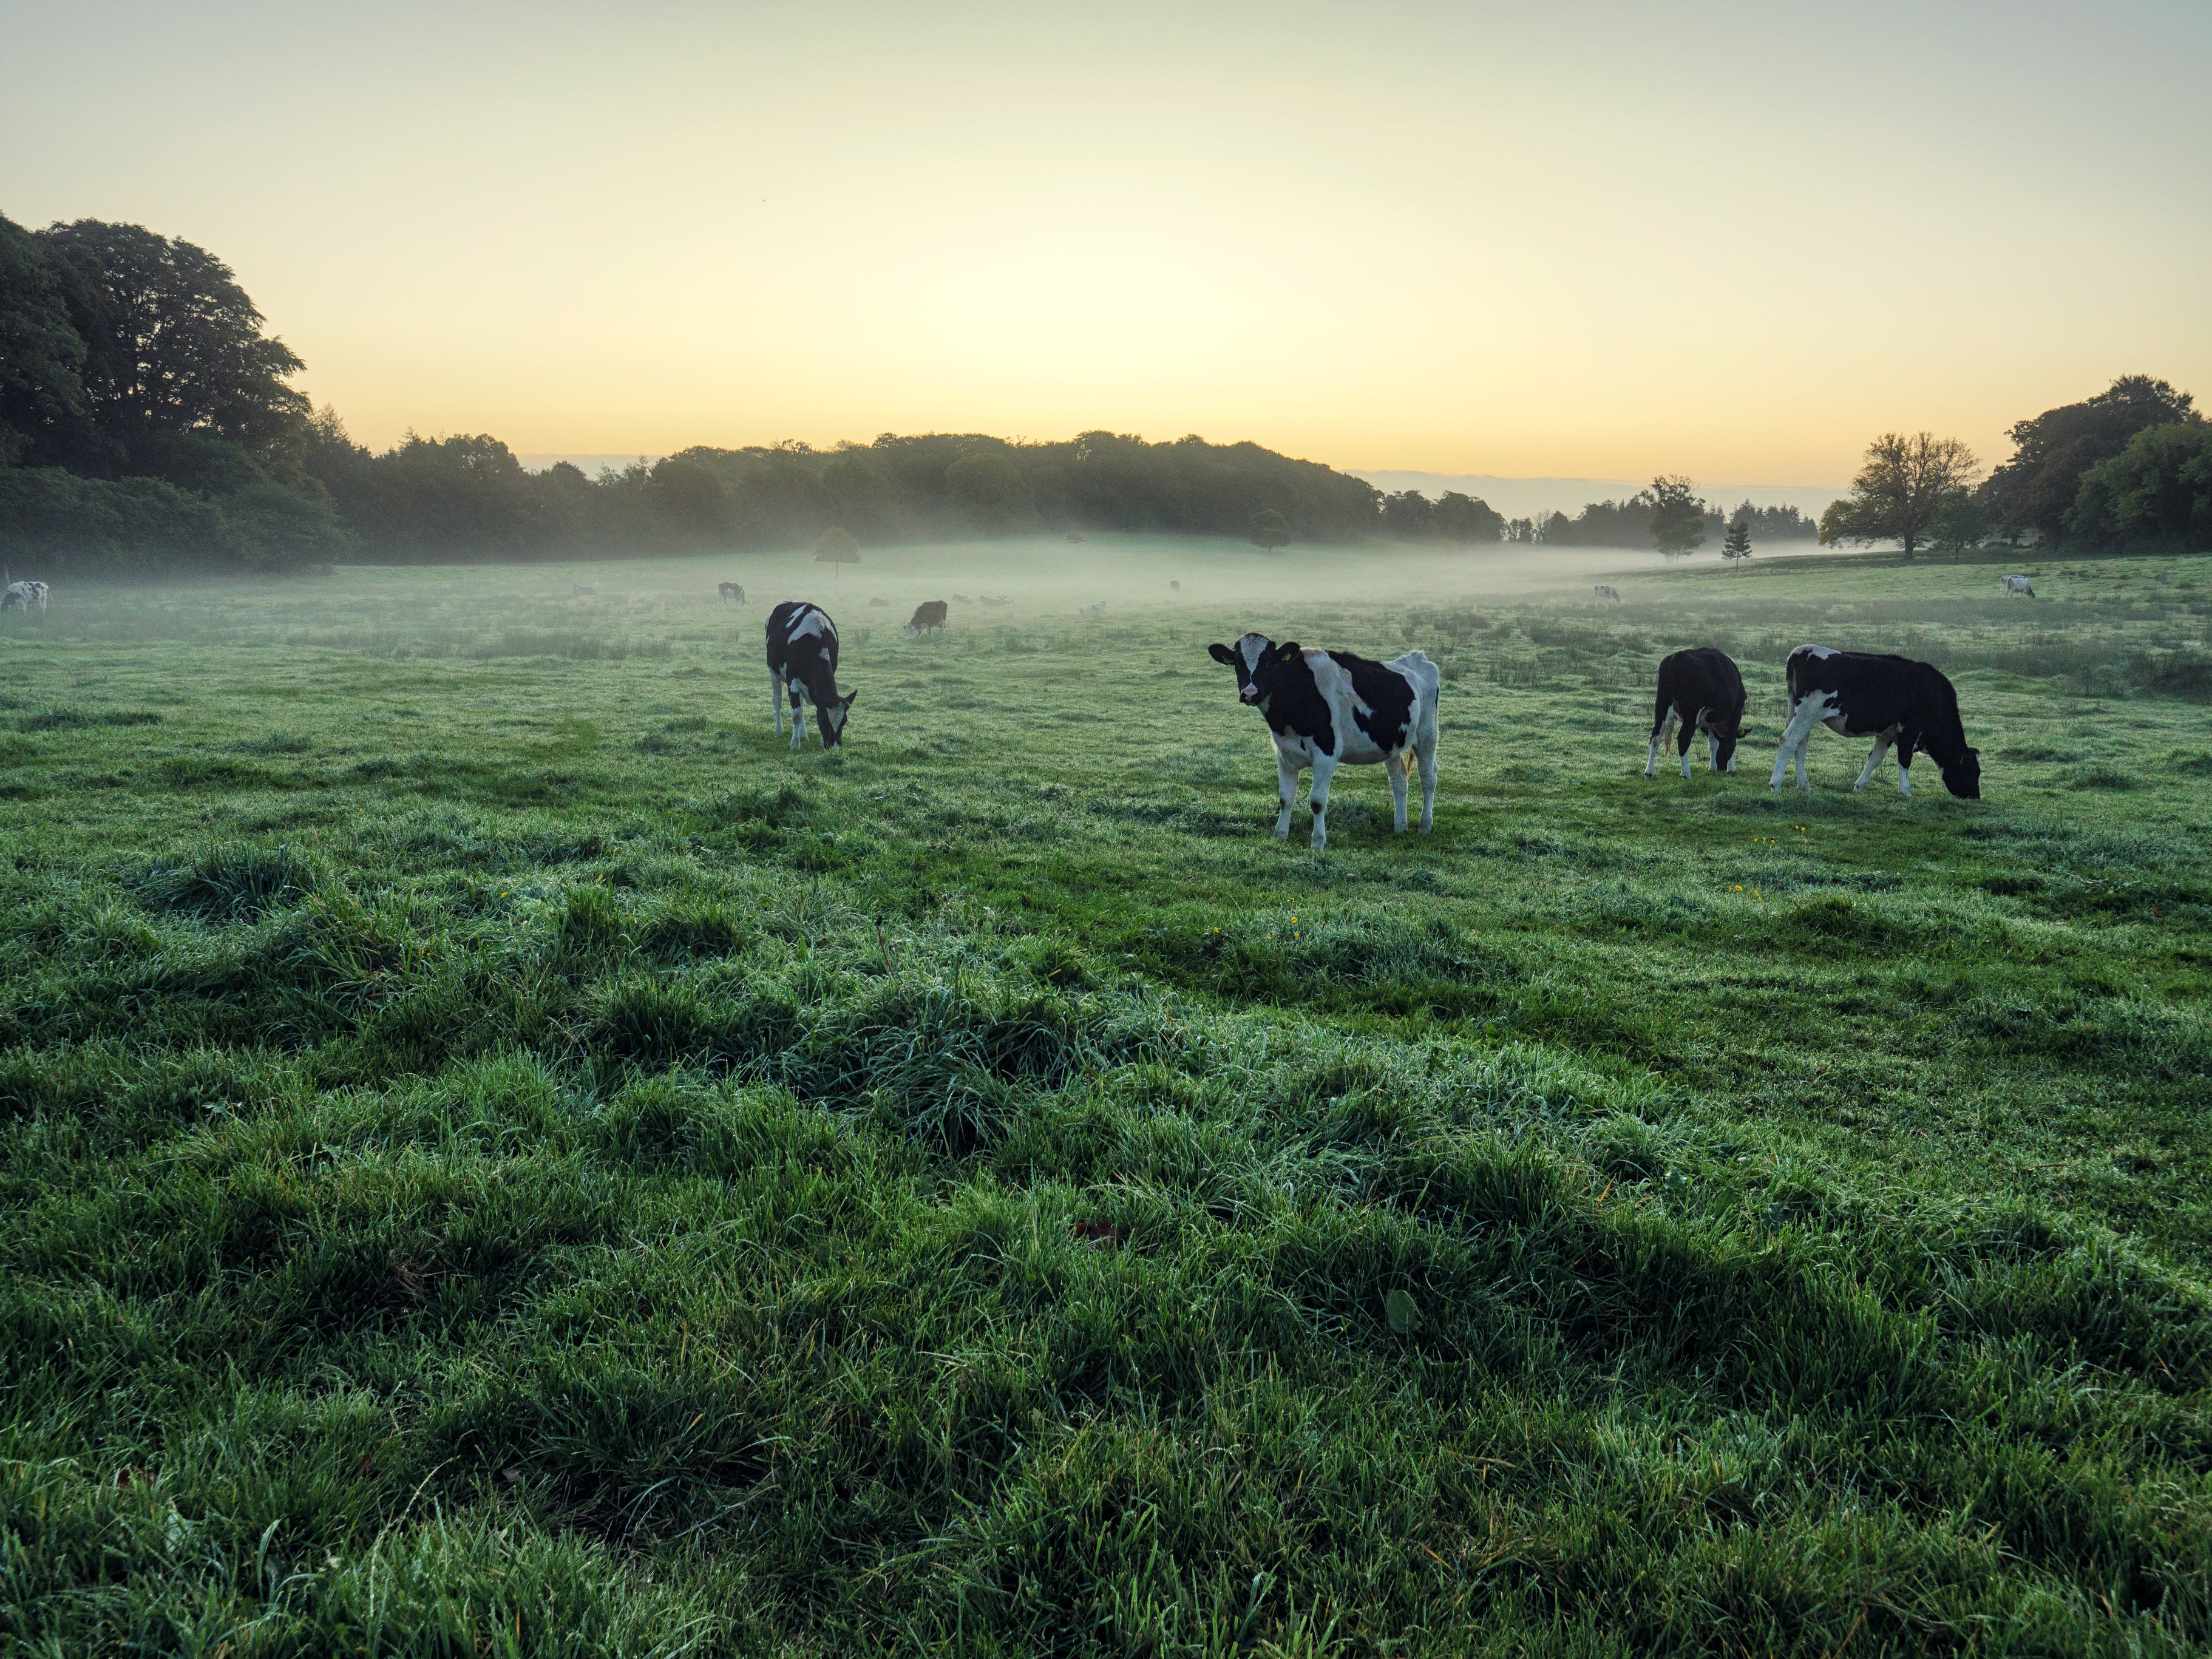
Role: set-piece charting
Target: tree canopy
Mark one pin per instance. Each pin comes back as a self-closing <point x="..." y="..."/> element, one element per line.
<point x="2158" y="487"/>
<point x="1268" y="529"/>
<point x="2035" y="489"/>
<point x="1678" y="516"/>
<point x="1901" y="486"/>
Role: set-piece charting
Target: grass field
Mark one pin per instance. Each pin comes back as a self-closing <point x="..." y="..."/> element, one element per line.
<point x="499" y="1156"/>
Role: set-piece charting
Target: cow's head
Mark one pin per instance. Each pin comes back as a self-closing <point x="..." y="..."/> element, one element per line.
<point x="1255" y="658"/>
<point x="1963" y="777"/>
<point x="829" y="718"/>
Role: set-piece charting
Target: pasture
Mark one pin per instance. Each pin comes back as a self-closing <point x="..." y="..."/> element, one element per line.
<point x="499" y="1156"/>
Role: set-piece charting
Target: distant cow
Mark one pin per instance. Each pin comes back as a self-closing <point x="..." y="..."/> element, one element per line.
<point x="802" y="660"/>
<point x="582" y="592"/>
<point x="21" y="596"/>
<point x="2017" y="585"/>
<point x="1604" y="594"/>
<point x="1702" y="689"/>
<point x="1326" y="709"/>
<point x="1097" y="609"/>
<point x="730" y="591"/>
<point x="987" y="598"/>
<point x="928" y="618"/>
<point x="961" y="599"/>
<point x="1074" y="536"/>
<point x="1893" y="700"/>
<point x="880" y="603"/>
<point x="1175" y="587"/>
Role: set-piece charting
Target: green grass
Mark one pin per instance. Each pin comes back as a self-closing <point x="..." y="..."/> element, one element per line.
<point x="499" y="1156"/>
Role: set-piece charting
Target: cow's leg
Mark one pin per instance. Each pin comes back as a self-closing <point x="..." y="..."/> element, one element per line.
<point x="1286" y="778"/>
<point x="775" y="699"/>
<point x="1683" y="739"/>
<point x="1795" y="737"/>
<point x="1906" y="744"/>
<point x="1324" y="768"/>
<point x="1659" y="732"/>
<point x="1712" y="753"/>
<point x="1426" y="755"/>
<point x="1395" y="766"/>
<point x="797" y="718"/>
<point x="1880" y="747"/>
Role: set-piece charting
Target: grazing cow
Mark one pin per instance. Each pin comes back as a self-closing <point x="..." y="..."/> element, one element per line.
<point x="880" y="604"/>
<point x="1326" y="708"/>
<point x="1604" y="594"/>
<point x="21" y="596"/>
<point x="729" y="591"/>
<point x="986" y="598"/>
<point x="928" y="618"/>
<point x="1893" y="700"/>
<point x="2017" y="585"/>
<point x="1702" y="689"/>
<point x="1175" y="587"/>
<point x="802" y="660"/>
<point x="961" y="599"/>
<point x="1097" y="610"/>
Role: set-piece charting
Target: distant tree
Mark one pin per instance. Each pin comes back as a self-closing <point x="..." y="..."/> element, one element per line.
<point x="1408" y="515"/>
<point x="1268" y="529"/>
<point x="1558" y="530"/>
<point x="834" y="547"/>
<point x="1835" y="523"/>
<point x="1678" y="517"/>
<point x="1466" y="520"/>
<point x="2158" y="487"/>
<point x="1735" y="546"/>
<point x="2036" y="487"/>
<point x="171" y="342"/>
<point x="991" y="489"/>
<point x="1901" y="486"/>
<point x="42" y="404"/>
<point x="1961" y="523"/>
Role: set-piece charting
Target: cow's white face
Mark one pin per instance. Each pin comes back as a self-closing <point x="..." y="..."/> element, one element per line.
<point x="833" y="718"/>
<point x="1249" y="650"/>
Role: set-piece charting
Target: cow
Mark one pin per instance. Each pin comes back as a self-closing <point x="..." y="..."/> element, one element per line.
<point x="21" y="596"/>
<point x="1702" y="690"/>
<point x="1893" y="700"/>
<point x="1326" y="709"/>
<point x="2016" y="585"/>
<point x="1604" y="594"/>
<point x="928" y="618"/>
<point x="880" y="604"/>
<point x="583" y="593"/>
<point x="729" y="591"/>
<point x="1175" y="587"/>
<point x="997" y="599"/>
<point x="802" y="660"/>
<point x="961" y="599"/>
<point x="1097" y="610"/>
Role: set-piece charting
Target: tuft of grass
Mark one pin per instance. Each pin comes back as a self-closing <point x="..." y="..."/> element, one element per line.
<point x="228" y="881"/>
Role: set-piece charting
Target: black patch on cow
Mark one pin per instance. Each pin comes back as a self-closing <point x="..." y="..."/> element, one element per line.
<point x="930" y="613"/>
<point x="1701" y="682"/>
<point x="1876" y="693"/>
<point x="1289" y="700"/>
<point x="1388" y="696"/>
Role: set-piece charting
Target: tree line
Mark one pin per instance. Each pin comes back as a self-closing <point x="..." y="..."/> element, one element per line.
<point x="148" y="422"/>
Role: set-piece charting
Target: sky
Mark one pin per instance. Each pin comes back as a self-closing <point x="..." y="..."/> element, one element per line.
<point x="1586" y="239"/>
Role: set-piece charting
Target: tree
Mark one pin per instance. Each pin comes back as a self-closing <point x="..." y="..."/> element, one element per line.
<point x="42" y="405"/>
<point x="2036" y="487"/>
<point x="1901" y="486"/>
<point x="1466" y="520"/>
<point x="172" y="342"/>
<point x="1408" y="515"/>
<point x="2159" y="486"/>
<point x="1737" y="544"/>
<point x="834" y="547"/>
<point x="991" y="487"/>
<point x="1678" y="517"/>
<point x="1268" y="529"/>
<point x="1961" y="523"/>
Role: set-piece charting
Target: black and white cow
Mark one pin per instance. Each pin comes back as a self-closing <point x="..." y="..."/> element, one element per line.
<point x="1604" y="594"/>
<point x="928" y="618"/>
<point x="1893" y="700"/>
<point x="1702" y="690"/>
<point x="731" y="592"/>
<point x="1326" y="708"/>
<point x="2017" y="587"/>
<point x="802" y="660"/>
<point x="21" y="596"/>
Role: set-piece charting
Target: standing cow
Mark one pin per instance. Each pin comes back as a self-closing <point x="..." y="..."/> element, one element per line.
<point x="2017" y="587"/>
<point x="1702" y="690"/>
<point x="731" y="591"/>
<point x="1604" y="594"/>
<point x="21" y="596"/>
<point x="1893" y="700"/>
<point x="802" y="660"/>
<point x="1327" y="708"/>
<point x="928" y="618"/>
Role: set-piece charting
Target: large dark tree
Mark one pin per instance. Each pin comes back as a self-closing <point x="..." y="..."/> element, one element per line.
<point x="1678" y="516"/>
<point x="1901" y="487"/>
<point x="1467" y="518"/>
<point x="2158" y="487"/>
<point x="173" y="344"/>
<point x="2034" y="488"/>
<point x="42" y="404"/>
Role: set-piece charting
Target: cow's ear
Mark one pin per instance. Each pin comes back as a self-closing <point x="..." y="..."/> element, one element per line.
<point x="1221" y="653"/>
<point x="1287" y="652"/>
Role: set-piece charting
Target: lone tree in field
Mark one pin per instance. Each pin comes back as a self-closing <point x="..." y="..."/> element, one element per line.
<point x="834" y="547"/>
<point x="1269" y="529"/>
<point x="1900" y="489"/>
<point x="1737" y="544"/>
<point x="1678" y="517"/>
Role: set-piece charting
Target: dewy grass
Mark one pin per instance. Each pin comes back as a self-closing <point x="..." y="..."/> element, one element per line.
<point x="526" y="1163"/>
